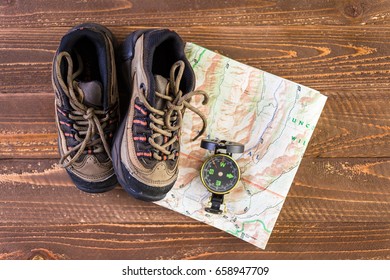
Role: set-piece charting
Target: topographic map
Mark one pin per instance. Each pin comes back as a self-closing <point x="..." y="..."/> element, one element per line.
<point x="272" y="116"/>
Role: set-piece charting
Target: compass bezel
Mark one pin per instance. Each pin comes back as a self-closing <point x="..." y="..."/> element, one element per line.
<point x="203" y="167"/>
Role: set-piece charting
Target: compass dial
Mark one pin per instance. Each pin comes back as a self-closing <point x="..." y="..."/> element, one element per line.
<point x="220" y="174"/>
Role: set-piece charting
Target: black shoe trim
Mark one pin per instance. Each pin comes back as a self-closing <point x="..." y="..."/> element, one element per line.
<point x="93" y="187"/>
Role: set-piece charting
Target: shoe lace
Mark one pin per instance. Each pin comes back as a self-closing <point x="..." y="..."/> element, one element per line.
<point x="88" y="122"/>
<point x="166" y="122"/>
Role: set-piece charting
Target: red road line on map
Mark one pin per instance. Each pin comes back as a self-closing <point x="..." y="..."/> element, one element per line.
<point x="261" y="187"/>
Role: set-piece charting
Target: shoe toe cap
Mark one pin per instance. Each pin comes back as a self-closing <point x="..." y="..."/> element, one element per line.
<point x="91" y="169"/>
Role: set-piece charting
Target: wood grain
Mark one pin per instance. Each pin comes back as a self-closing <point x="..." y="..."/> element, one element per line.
<point x="341" y="190"/>
<point x="339" y="204"/>
<point x="324" y="216"/>
<point x="192" y="241"/>
<point x="41" y="13"/>
<point x="349" y="65"/>
<point x="336" y="61"/>
<point x="350" y="126"/>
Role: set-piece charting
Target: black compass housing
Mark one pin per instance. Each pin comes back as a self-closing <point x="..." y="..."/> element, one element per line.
<point x="220" y="173"/>
<point x="228" y="146"/>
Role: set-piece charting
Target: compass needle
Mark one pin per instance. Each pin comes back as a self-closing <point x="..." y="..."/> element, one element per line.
<point x="214" y="163"/>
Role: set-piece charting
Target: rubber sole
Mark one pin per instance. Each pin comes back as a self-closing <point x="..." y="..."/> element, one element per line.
<point x="93" y="187"/>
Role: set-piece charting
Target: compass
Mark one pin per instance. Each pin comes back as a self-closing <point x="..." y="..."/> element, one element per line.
<point x="220" y="173"/>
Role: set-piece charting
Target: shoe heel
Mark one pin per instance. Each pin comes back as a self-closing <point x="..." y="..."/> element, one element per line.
<point x="100" y="28"/>
<point x="127" y="48"/>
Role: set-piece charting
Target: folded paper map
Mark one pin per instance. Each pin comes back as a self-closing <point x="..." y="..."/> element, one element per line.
<point x="272" y="116"/>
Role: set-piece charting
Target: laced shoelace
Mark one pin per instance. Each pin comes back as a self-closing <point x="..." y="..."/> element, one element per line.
<point x="166" y="122"/>
<point x="87" y="121"/>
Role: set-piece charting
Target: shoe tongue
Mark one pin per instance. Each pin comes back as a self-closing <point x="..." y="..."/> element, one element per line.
<point x="160" y="104"/>
<point x="161" y="84"/>
<point x="91" y="94"/>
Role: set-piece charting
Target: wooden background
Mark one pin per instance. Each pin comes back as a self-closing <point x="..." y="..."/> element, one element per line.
<point x="339" y="204"/>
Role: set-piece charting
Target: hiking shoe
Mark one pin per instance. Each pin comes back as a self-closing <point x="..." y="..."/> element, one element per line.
<point x="159" y="83"/>
<point x="86" y="99"/>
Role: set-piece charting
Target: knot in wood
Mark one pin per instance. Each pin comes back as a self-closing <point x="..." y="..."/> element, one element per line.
<point x="353" y="10"/>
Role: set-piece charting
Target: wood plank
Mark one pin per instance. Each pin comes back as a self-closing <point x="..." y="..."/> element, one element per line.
<point x="350" y="126"/>
<point x="324" y="190"/>
<point x="339" y="204"/>
<point x="24" y="13"/>
<point x="347" y="70"/>
<point x="340" y="213"/>
<point x="337" y="61"/>
<point x="27" y="126"/>
<point x="347" y="60"/>
<point x="340" y="190"/>
<point x="192" y="241"/>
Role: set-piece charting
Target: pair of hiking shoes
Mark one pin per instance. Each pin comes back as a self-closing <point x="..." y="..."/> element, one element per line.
<point x="137" y="143"/>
